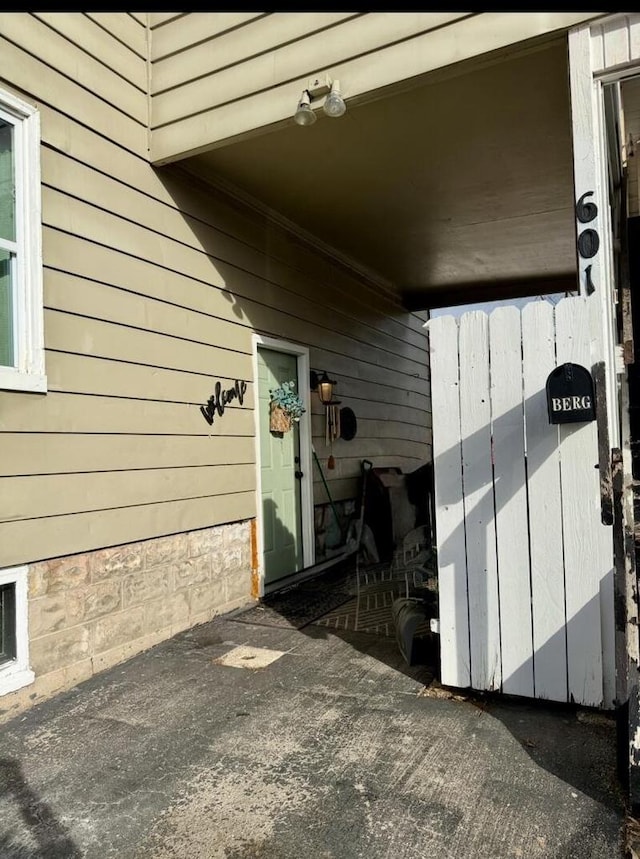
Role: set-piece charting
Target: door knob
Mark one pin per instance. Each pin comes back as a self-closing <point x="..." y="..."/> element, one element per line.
<point x="298" y="474"/>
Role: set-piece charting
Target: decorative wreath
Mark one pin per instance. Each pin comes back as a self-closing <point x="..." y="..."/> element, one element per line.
<point x="285" y="407"/>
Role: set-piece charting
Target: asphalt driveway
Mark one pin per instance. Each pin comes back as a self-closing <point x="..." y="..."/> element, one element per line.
<point x="330" y="749"/>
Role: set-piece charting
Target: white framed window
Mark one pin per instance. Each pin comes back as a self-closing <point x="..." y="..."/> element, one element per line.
<point x="14" y="631"/>
<point x="21" y="327"/>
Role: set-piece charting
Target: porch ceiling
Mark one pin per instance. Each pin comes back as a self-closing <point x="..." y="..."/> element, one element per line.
<point x="459" y="189"/>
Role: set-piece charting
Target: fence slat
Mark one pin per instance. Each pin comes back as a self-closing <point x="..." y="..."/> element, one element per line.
<point x="580" y="516"/>
<point x="477" y="479"/>
<point x="525" y="564"/>
<point x="512" y="527"/>
<point x="545" y="506"/>
<point x="447" y="458"/>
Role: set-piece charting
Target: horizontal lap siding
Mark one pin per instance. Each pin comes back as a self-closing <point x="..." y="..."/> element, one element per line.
<point x="289" y="33"/>
<point x="218" y="77"/>
<point x="85" y="33"/>
<point x="156" y="19"/>
<point x="154" y="284"/>
<point x="24" y="70"/>
<point x="124" y="29"/>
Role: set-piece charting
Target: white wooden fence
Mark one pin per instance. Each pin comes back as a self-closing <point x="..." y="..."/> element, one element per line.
<point x="525" y="565"/>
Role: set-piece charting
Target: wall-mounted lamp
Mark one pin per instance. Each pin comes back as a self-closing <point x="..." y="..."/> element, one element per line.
<point x="324" y="387"/>
<point x="318" y="86"/>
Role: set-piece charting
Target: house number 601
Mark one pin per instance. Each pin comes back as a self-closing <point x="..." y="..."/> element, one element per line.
<point x="588" y="240"/>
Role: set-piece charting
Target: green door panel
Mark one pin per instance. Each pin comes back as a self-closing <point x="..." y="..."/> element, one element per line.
<point x="281" y="507"/>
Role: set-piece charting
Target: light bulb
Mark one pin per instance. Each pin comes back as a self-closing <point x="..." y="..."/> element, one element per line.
<point x="304" y="115"/>
<point x="334" y="103"/>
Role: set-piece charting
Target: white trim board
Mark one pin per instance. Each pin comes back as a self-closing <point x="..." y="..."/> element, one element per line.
<point x="16" y="673"/>
<point x="28" y="371"/>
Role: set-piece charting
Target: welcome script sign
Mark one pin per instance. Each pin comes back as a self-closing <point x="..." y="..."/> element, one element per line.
<point x="218" y="401"/>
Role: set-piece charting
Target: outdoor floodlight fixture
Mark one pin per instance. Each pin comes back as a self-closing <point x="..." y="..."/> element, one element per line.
<point x="304" y="115"/>
<point x="334" y="103"/>
<point x="318" y="86"/>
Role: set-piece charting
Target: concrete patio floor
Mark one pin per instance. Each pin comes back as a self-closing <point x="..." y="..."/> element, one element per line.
<point x="331" y="750"/>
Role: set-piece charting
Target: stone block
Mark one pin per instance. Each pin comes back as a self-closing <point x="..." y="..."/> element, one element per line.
<point x="170" y="611"/>
<point x="60" y="649"/>
<point x="116" y="562"/>
<point x="77" y="673"/>
<point x="245" y="553"/>
<point x="204" y="598"/>
<point x="61" y="574"/>
<point x="37" y="580"/>
<point x="238" y="584"/>
<point x="233" y="533"/>
<point x="232" y="557"/>
<point x="181" y="625"/>
<point x="203" y="617"/>
<point x="217" y="539"/>
<point x="93" y="601"/>
<point x="166" y="550"/>
<point x="192" y="572"/>
<point x="102" y="661"/>
<point x="47" y="614"/>
<point x="142" y="587"/>
<point x="118" y="629"/>
<point x="223" y="608"/>
<point x="44" y="687"/>
<point x="199" y="542"/>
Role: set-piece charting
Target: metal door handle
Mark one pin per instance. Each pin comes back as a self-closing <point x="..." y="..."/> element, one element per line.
<point x="298" y="474"/>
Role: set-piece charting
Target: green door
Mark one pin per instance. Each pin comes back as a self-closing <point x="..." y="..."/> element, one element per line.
<point x="280" y="460"/>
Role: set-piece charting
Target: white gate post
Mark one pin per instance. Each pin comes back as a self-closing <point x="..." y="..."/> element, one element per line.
<point x="595" y="273"/>
<point x="596" y="278"/>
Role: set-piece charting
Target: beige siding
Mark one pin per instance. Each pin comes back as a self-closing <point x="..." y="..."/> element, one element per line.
<point x="66" y="91"/>
<point x="156" y="19"/>
<point x="123" y="28"/>
<point x="60" y="494"/>
<point x="285" y="31"/>
<point x="186" y="31"/>
<point x="63" y="412"/>
<point x="88" y="36"/>
<point x="128" y="524"/>
<point x="154" y="283"/>
<point x="209" y="87"/>
<point x="98" y="452"/>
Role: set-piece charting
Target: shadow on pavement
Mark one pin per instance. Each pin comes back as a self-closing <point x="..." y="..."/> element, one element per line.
<point x="575" y="744"/>
<point x="50" y="837"/>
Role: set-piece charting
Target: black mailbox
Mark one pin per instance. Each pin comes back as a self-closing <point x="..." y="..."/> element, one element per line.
<point x="570" y="397"/>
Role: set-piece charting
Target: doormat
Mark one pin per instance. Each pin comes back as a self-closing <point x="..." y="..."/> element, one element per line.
<point x="369" y="611"/>
<point x="292" y="610"/>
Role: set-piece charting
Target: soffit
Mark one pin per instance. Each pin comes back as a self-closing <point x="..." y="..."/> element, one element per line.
<point x="460" y="184"/>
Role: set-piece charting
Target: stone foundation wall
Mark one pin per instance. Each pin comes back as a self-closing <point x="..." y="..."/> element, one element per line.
<point x="89" y="612"/>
